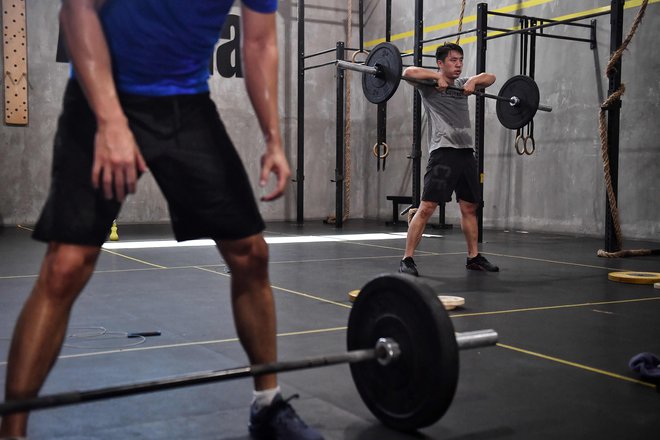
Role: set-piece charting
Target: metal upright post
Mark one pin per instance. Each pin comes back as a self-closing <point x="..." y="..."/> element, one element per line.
<point x="361" y="24"/>
<point x="613" y="114"/>
<point x="388" y="20"/>
<point x="339" y="167"/>
<point x="300" y="164"/>
<point x="381" y="118"/>
<point x="416" y="153"/>
<point x="482" y="30"/>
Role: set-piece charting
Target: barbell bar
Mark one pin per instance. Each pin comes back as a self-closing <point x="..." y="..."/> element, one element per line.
<point x="402" y="351"/>
<point x="376" y="71"/>
<point x="382" y="73"/>
<point x="385" y="351"/>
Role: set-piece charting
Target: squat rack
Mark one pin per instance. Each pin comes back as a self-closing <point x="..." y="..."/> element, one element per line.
<point x="616" y="37"/>
<point x="340" y="141"/>
<point x="613" y="120"/>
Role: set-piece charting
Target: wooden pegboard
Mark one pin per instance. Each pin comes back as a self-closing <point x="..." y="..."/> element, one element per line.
<point x="14" y="49"/>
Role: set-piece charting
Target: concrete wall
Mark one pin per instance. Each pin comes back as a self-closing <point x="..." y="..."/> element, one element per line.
<point x="559" y="188"/>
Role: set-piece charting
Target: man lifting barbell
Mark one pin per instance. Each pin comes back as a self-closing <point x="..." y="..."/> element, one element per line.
<point x="452" y="166"/>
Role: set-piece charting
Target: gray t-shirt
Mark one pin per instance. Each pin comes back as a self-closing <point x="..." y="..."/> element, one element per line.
<point x="448" y="117"/>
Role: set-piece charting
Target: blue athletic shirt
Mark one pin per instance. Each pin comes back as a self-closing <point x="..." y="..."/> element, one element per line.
<point x="164" y="47"/>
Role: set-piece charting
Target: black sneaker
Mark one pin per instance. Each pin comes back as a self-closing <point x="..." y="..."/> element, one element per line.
<point x="480" y="263"/>
<point x="408" y="266"/>
<point x="279" y="421"/>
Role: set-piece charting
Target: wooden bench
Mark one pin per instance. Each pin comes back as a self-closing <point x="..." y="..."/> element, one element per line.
<point x="396" y="201"/>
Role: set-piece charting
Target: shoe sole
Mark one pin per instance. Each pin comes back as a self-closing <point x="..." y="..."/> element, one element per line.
<point x="482" y="269"/>
<point x="415" y="274"/>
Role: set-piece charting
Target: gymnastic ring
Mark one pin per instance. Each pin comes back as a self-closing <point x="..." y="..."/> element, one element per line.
<point x="386" y="150"/>
<point x="530" y="151"/>
<point x="356" y="53"/>
<point x="520" y="150"/>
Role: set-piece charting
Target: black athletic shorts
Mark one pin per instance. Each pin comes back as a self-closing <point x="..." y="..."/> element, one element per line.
<point x="187" y="150"/>
<point x="449" y="170"/>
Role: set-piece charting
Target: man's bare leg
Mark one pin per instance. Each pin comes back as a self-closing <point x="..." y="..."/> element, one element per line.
<point x="42" y="324"/>
<point x="469" y="226"/>
<point x="252" y="302"/>
<point x="417" y="226"/>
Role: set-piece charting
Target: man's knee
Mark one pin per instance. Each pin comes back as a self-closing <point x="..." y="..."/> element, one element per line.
<point x="248" y="255"/>
<point x="426" y="210"/>
<point x="66" y="268"/>
<point x="468" y="208"/>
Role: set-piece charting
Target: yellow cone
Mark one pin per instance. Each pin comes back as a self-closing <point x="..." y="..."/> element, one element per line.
<point x="114" y="236"/>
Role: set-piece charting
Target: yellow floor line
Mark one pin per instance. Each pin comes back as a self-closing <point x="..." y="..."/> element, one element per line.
<point x="295" y="292"/>
<point x="104" y="250"/>
<point x="318" y="298"/>
<point x="566" y="263"/>
<point x="134" y="259"/>
<point x="575" y="364"/>
<point x="190" y="344"/>
<point x="563" y="306"/>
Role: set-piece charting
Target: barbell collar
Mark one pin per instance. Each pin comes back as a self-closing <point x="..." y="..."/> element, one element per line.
<point x="387" y="350"/>
<point x="476" y="339"/>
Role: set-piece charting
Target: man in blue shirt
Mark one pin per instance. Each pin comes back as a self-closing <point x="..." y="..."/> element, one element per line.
<point x="139" y="98"/>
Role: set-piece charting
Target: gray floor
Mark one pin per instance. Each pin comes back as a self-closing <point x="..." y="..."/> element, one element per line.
<point x="560" y="369"/>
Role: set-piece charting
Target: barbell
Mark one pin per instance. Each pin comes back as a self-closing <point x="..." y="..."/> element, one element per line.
<point x="402" y="351"/>
<point x="517" y="101"/>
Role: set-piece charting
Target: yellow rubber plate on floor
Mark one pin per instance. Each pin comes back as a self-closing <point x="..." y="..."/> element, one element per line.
<point x="451" y="302"/>
<point x="634" y="277"/>
<point x="353" y="294"/>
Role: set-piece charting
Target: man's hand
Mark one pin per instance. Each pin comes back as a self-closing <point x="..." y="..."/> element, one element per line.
<point x="468" y="87"/>
<point x="117" y="161"/>
<point x="440" y="83"/>
<point x="274" y="161"/>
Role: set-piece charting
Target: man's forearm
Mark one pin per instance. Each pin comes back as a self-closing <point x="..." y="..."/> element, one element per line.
<point x="261" y="81"/>
<point x="260" y="59"/>
<point x="89" y="53"/>
<point x="483" y="80"/>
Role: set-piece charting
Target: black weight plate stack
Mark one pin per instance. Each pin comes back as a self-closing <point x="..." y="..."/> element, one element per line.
<point x="517" y="116"/>
<point x="416" y="389"/>
<point x="379" y="88"/>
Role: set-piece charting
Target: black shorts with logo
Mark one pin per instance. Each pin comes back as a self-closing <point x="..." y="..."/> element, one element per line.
<point x="449" y="170"/>
<point x="186" y="148"/>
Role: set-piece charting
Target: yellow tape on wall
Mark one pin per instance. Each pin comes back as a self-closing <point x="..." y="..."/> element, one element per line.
<point x="14" y="45"/>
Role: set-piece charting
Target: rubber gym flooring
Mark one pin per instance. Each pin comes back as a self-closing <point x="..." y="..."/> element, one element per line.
<point x="560" y="370"/>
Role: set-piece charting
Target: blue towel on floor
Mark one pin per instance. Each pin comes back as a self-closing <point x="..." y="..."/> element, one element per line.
<point x="647" y="365"/>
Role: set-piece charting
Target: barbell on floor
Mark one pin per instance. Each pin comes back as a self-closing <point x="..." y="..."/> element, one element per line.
<point x="517" y="101"/>
<point x="402" y="351"/>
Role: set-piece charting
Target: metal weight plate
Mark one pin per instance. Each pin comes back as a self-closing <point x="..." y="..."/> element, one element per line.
<point x="415" y="390"/>
<point x="379" y="88"/>
<point x="526" y="90"/>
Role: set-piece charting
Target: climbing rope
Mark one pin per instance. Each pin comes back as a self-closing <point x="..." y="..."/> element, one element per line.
<point x="604" y="143"/>
<point x="332" y="218"/>
<point x="347" y="128"/>
<point x="460" y="21"/>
